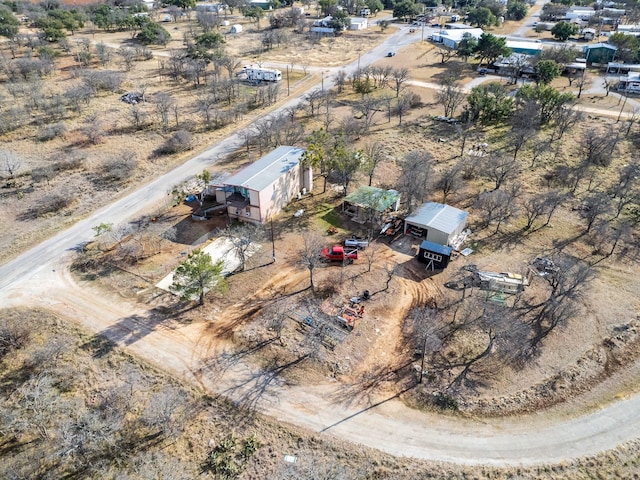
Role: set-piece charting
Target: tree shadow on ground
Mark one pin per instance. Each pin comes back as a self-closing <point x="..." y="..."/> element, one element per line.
<point x="129" y="330"/>
<point x="260" y="386"/>
<point x="370" y="407"/>
<point x="369" y="383"/>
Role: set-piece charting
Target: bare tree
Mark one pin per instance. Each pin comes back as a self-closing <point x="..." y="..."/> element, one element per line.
<point x="314" y="99"/>
<point x="534" y="207"/>
<point x="554" y="199"/>
<point x="10" y="163"/>
<point x="373" y="154"/>
<point x="499" y="169"/>
<point x="597" y="147"/>
<point x="163" y="102"/>
<point x="403" y="105"/>
<point x="310" y="257"/>
<point x="497" y="206"/>
<point x="565" y="120"/>
<point x="449" y="180"/>
<point x="367" y="109"/>
<point x="595" y="206"/>
<point x="445" y="53"/>
<point x="243" y="238"/>
<point x="415" y="176"/>
<point x="615" y="233"/>
<point x="632" y="120"/>
<point x="626" y="190"/>
<point x="400" y="77"/>
<point x="450" y="96"/>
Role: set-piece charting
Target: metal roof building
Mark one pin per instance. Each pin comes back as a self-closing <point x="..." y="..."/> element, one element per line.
<point x="267" y="170"/>
<point x="436" y="222"/>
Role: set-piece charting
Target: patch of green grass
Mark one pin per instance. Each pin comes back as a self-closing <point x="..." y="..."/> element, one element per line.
<point x="328" y="217"/>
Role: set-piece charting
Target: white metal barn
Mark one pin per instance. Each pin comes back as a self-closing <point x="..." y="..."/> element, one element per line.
<point x="436" y="222"/>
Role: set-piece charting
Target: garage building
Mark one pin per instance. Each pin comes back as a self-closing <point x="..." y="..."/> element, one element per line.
<point x="436" y="223"/>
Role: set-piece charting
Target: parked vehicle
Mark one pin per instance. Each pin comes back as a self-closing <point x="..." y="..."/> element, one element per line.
<point x="338" y="253"/>
<point x="356" y="242"/>
<point x="255" y="73"/>
<point x="391" y="54"/>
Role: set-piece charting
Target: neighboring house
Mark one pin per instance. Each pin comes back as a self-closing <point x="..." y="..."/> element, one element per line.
<point x="630" y="28"/>
<point x="525" y="48"/>
<point x="436" y="223"/>
<point x="580" y="13"/>
<point x="451" y="38"/>
<point x="261" y="190"/>
<point x="359" y="23"/>
<point x="366" y="203"/>
<point x="589" y="34"/>
<point x="599" y="52"/>
<point x="322" y="25"/>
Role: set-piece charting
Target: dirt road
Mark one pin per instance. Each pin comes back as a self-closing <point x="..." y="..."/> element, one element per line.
<point x="40" y="278"/>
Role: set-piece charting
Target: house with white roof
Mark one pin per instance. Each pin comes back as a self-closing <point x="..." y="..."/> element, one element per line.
<point x="262" y="189"/>
<point x="451" y="37"/>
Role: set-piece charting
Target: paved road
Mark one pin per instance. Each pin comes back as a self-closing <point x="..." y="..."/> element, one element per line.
<point x="40" y="277"/>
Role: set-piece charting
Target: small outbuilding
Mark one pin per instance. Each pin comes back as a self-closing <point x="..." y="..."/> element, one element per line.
<point x="599" y="52"/>
<point x="436" y="222"/>
<point x="358" y="23"/>
<point x="236" y="28"/>
<point x="434" y="255"/>
<point x="367" y="203"/>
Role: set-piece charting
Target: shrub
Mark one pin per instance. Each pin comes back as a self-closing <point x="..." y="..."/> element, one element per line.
<point x="49" y="132"/>
<point x="50" y="203"/>
<point x="119" y="169"/>
<point x="178" y="142"/>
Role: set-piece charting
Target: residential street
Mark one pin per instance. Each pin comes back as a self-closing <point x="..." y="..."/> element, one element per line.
<point x="41" y="278"/>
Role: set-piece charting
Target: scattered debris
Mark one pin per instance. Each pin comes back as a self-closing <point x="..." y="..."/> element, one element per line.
<point x="298" y="213"/>
<point x="543" y="266"/>
<point x="132" y="98"/>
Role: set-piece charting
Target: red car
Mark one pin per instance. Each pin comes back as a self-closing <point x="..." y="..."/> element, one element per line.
<point x="337" y="253"/>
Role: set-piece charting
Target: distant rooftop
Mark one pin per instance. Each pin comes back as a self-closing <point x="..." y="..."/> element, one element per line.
<point x="263" y="172"/>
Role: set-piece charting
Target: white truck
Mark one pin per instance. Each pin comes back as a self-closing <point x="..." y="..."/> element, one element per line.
<point x="259" y="74"/>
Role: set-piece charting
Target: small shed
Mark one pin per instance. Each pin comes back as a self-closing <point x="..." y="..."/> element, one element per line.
<point x="434" y="255"/>
<point x="366" y="203"/>
<point x="436" y="222"/>
<point x="236" y="28"/>
<point x="358" y="23"/>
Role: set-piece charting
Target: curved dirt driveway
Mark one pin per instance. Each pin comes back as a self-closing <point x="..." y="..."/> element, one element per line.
<point x="387" y="424"/>
<point x="40" y="277"/>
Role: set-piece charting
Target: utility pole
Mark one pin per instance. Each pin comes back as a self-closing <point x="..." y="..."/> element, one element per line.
<point x="626" y="95"/>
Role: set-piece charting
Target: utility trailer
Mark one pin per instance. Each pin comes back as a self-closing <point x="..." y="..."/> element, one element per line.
<point x="255" y="73"/>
